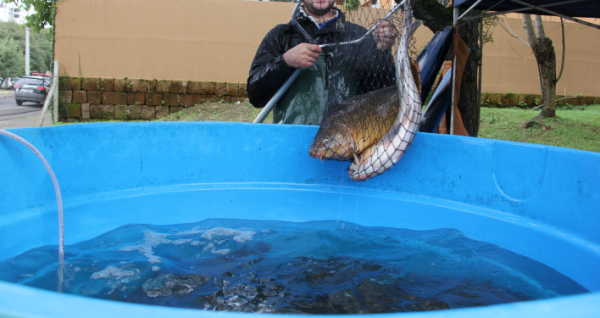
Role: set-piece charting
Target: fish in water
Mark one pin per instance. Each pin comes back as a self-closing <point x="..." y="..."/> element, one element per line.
<point x="387" y="152"/>
<point x="355" y="125"/>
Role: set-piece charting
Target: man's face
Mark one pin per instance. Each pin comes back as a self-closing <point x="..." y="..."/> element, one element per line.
<point x="319" y="7"/>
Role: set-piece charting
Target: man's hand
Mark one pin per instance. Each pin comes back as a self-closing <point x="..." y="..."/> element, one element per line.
<point x="302" y="55"/>
<point x="385" y="35"/>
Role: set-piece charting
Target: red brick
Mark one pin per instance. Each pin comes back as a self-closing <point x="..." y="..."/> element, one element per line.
<point x="94" y="97"/>
<point x="65" y="97"/>
<point x="178" y="87"/>
<point x="96" y="111"/>
<point x="150" y="86"/>
<point x="114" y="98"/>
<point x="163" y="86"/>
<point x="242" y="90"/>
<point x="120" y="112"/>
<point x="175" y="109"/>
<point x="189" y="99"/>
<point x="85" y="110"/>
<point x="107" y="84"/>
<point x="90" y="83"/>
<point x="62" y="83"/>
<point x="108" y="111"/>
<point x="194" y="87"/>
<point x="220" y="89"/>
<point x="231" y="89"/>
<point x="136" y="98"/>
<point x="135" y="112"/>
<point x="208" y="88"/>
<point x="79" y="97"/>
<point x="171" y="99"/>
<point x="119" y="85"/>
<point x="148" y="112"/>
<point x="154" y="99"/>
<point x="161" y="111"/>
<point x="73" y="83"/>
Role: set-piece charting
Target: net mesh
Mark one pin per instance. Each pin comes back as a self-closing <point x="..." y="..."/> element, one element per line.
<point x="373" y="103"/>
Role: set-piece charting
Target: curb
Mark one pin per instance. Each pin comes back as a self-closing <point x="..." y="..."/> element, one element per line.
<point x="6" y="95"/>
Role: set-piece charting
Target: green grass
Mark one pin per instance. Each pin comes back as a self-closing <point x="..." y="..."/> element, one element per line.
<point x="242" y="112"/>
<point x="572" y="128"/>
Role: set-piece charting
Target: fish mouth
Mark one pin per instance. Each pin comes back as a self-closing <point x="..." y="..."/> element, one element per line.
<point x="315" y="155"/>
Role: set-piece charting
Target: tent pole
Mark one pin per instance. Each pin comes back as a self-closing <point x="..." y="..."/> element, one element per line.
<point x="557" y="14"/>
<point x="525" y="9"/>
<point x="469" y="9"/>
<point x="453" y="75"/>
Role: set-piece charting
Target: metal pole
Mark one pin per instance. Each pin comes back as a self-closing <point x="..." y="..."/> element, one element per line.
<point x="55" y="93"/>
<point x="27" y="51"/>
<point x="453" y="76"/>
<point x="265" y="111"/>
<point x="469" y="9"/>
<point x="480" y="62"/>
<point x="557" y="14"/>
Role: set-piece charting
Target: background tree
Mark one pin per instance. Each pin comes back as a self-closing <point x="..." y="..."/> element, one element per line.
<point x="12" y="60"/>
<point x="42" y="17"/>
<point x="543" y="50"/>
<point x="40" y="46"/>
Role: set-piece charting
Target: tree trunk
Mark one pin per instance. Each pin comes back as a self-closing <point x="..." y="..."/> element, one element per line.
<point x="436" y="17"/>
<point x="546" y="58"/>
<point x="543" y="50"/>
<point x="468" y="102"/>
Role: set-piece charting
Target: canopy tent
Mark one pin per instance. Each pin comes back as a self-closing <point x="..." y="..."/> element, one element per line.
<point x="567" y="9"/>
<point x="570" y="8"/>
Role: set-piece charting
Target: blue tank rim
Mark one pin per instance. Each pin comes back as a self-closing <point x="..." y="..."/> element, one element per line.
<point x="309" y="127"/>
<point x="16" y="299"/>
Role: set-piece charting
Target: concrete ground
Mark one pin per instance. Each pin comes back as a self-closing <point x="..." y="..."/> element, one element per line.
<point x="13" y="116"/>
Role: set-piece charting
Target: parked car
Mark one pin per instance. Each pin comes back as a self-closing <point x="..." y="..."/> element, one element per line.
<point x="9" y="82"/>
<point x="31" y="89"/>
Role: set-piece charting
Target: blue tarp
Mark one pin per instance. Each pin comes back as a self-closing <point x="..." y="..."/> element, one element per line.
<point x="583" y="9"/>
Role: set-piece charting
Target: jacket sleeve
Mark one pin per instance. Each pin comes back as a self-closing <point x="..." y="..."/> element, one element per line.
<point x="269" y="70"/>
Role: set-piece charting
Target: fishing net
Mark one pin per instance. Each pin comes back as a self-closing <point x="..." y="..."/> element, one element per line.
<point x="373" y="103"/>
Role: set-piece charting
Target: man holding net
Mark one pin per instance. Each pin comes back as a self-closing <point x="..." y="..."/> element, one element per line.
<point x="330" y="75"/>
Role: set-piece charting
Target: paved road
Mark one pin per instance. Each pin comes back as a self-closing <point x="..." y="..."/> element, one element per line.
<point x="10" y="110"/>
<point x="27" y="115"/>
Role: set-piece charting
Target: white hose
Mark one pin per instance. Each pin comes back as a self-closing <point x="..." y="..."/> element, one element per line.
<point x="61" y="253"/>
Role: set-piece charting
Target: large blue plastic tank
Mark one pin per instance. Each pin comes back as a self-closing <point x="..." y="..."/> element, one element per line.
<point x="542" y="202"/>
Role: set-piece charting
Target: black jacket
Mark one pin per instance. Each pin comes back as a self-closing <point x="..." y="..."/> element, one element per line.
<point x="374" y="68"/>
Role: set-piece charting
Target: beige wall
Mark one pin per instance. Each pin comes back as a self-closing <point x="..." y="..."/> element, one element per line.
<point x="215" y="40"/>
<point x="509" y="65"/>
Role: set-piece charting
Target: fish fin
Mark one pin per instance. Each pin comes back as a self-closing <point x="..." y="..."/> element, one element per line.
<point x="351" y="141"/>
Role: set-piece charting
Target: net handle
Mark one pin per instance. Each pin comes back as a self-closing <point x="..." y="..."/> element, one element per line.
<point x="396" y="8"/>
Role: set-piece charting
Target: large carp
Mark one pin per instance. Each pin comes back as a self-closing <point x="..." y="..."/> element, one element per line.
<point x="388" y="151"/>
<point x="355" y="125"/>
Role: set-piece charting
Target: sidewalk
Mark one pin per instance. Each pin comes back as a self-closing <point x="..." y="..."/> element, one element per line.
<point x="27" y="122"/>
<point x="23" y="122"/>
<point x="6" y="93"/>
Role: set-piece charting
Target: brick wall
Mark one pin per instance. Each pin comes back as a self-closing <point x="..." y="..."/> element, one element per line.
<point x="141" y="99"/>
<point x="532" y="100"/>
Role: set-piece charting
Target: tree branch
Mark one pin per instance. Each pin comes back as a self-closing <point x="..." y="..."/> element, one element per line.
<point x="529" y="32"/>
<point x="562" y="66"/>
<point x="539" y="26"/>
<point x="433" y="14"/>
<point x="511" y="32"/>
